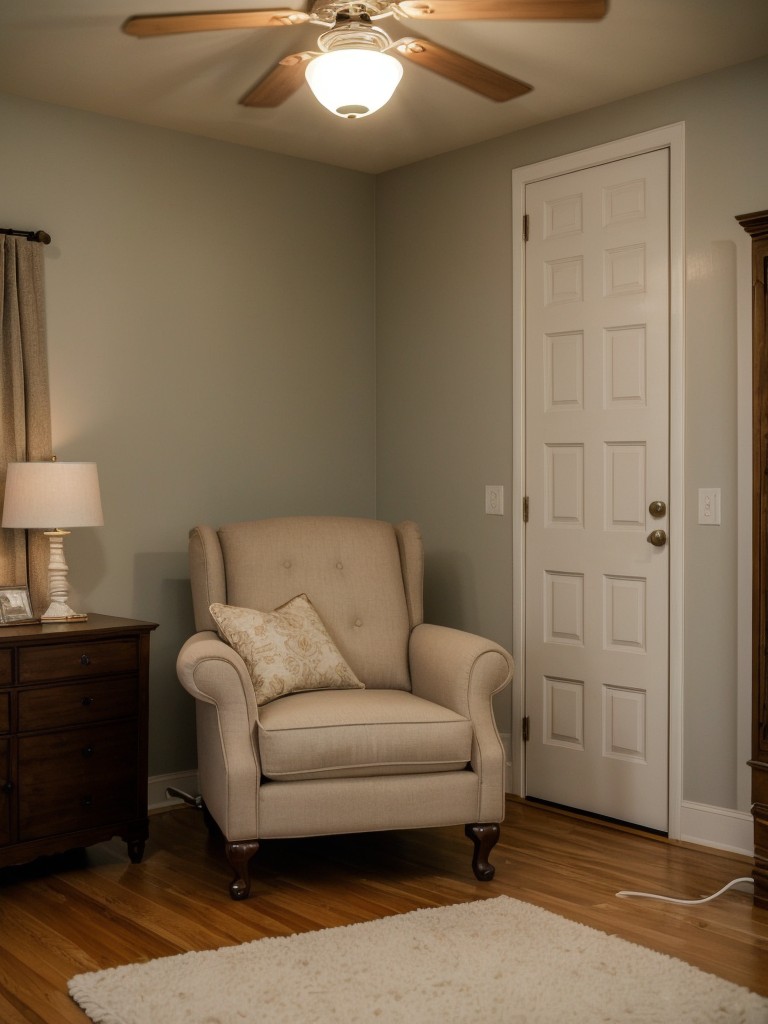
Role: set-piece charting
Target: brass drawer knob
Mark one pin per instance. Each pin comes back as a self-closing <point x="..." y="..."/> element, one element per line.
<point x="88" y="751"/>
<point x="87" y="701"/>
<point x="85" y="659"/>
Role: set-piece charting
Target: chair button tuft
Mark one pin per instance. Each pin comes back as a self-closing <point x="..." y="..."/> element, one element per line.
<point x="358" y="623"/>
<point x="286" y="564"/>
<point x="339" y="565"/>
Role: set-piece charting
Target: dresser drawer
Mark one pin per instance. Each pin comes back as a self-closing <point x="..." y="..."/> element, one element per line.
<point x="77" y="703"/>
<point x="6" y="667"/>
<point x="77" y="779"/>
<point x="5" y="712"/>
<point x="76" y="661"/>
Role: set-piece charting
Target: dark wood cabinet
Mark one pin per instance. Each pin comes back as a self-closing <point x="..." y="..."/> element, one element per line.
<point x="73" y="736"/>
<point x="757" y="226"/>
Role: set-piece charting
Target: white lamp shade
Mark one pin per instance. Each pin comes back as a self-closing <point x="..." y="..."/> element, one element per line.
<point x="354" y="83"/>
<point x="51" y="495"/>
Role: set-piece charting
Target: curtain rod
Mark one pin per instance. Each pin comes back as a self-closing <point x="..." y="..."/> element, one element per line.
<point x="31" y="236"/>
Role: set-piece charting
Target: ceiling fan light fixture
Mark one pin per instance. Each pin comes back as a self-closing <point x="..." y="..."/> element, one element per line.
<point x="353" y="83"/>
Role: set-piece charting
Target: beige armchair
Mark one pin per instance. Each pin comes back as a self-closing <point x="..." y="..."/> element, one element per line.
<point x="416" y="746"/>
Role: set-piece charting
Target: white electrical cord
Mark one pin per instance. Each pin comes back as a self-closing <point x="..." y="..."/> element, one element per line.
<point x="671" y="899"/>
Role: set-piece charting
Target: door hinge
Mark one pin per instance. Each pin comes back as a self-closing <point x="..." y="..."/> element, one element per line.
<point x="525" y="227"/>
<point x="525" y="509"/>
<point x="526" y="729"/>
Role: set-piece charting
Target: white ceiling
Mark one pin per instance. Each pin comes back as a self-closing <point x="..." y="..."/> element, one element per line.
<point x="72" y="53"/>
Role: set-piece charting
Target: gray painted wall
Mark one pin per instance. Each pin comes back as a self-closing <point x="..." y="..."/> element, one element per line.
<point x="201" y="351"/>
<point x="444" y="337"/>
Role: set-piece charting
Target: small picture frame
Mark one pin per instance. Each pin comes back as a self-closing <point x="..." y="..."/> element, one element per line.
<point x="15" y="607"/>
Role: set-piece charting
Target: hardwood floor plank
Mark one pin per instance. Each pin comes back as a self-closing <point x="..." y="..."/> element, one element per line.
<point x="9" y="1014"/>
<point x="93" y="909"/>
<point x="37" y="995"/>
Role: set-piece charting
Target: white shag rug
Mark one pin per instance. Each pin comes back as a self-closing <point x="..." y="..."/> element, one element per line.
<point x="496" y="960"/>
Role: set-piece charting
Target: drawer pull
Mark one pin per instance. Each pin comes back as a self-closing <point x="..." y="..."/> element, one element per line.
<point x="84" y="659"/>
<point x="87" y="701"/>
<point x="87" y="801"/>
<point x="88" y="751"/>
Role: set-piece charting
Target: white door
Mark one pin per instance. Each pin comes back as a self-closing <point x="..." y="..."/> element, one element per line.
<point x="596" y="462"/>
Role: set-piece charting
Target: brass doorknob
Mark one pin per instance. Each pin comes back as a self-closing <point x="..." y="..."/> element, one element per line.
<point x="657" y="509"/>
<point x="658" y="538"/>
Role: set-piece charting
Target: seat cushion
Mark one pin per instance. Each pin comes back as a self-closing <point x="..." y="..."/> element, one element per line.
<point x="347" y="733"/>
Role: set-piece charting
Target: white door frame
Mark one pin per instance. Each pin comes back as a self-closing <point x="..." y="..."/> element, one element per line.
<point x="671" y="137"/>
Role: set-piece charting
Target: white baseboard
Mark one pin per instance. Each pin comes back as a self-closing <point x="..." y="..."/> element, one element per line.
<point x="705" y="824"/>
<point x="158" y="799"/>
<point x="718" y="827"/>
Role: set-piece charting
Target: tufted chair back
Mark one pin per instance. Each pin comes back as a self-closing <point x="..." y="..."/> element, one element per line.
<point x="363" y="576"/>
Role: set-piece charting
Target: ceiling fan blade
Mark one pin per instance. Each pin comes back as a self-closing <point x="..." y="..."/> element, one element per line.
<point x="479" y="77"/>
<point x="280" y="83"/>
<point x="144" y="25"/>
<point x="477" y="10"/>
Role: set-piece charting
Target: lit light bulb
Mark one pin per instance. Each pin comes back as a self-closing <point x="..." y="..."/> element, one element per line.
<point x="353" y="83"/>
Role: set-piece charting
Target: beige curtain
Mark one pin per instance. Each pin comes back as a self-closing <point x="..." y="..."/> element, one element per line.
<point x="25" y="415"/>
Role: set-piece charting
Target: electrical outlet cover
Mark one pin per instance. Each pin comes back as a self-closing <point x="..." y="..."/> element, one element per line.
<point x="494" y="499"/>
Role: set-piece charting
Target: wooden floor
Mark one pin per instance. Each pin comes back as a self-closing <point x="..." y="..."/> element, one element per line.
<point x="93" y="909"/>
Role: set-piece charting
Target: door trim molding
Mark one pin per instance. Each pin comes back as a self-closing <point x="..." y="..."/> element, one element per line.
<point x="672" y="138"/>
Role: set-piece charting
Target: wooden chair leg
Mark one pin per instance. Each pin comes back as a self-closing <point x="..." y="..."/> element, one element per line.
<point x="239" y="856"/>
<point x="484" y="838"/>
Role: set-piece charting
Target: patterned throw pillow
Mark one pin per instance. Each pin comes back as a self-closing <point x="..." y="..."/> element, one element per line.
<point x="286" y="650"/>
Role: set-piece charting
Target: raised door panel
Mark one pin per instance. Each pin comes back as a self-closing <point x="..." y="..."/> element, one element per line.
<point x="6" y="667"/>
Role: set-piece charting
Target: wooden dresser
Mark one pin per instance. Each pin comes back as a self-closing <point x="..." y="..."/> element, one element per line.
<point x="73" y="736"/>
<point x="756" y="224"/>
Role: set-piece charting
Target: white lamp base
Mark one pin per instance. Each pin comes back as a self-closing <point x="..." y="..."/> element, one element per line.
<point x="58" y="587"/>
<point x="62" y="613"/>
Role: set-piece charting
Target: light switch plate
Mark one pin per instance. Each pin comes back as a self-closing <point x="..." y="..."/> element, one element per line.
<point x="709" y="506"/>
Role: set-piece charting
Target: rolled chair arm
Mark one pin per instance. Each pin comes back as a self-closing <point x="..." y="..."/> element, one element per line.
<point x="463" y="672"/>
<point x="227" y="713"/>
<point x="459" y="670"/>
<point x="213" y="672"/>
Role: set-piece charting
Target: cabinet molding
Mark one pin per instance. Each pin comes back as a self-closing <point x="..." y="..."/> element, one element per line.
<point x="756" y="224"/>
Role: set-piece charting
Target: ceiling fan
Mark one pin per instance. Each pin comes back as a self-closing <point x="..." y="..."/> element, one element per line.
<point x="354" y="73"/>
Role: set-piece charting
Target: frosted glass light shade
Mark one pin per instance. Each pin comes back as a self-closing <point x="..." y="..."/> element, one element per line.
<point x="354" y="83"/>
<point x="45" y="495"/>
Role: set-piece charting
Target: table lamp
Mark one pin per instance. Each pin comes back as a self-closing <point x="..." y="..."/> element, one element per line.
<point x="39" y="494"/>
